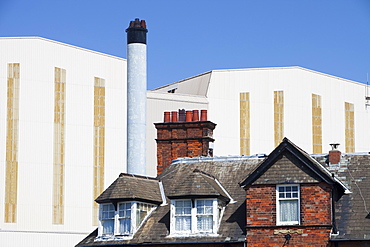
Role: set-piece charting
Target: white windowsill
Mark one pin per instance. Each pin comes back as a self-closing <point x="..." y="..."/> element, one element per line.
<point x="113" y="237"/>
<point x="196" y="234"/>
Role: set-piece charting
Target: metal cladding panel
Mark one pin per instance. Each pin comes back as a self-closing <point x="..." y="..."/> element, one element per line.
<point x="298" y="85"/>
<point x="17" y="239"/>
<point x="37" y="58"/>
<point x="197" y="85"/>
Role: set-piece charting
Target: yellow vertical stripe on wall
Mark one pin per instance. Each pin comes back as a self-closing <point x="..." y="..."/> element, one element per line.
<point x="316" y="124"/>
<point x="350" y="127"/>
<point x="99" y="139"/>
<point x="244" y="124"/>
<point x="59" y="145"/>
<point x="11" y="176"/>
<point x="278" y="117"/>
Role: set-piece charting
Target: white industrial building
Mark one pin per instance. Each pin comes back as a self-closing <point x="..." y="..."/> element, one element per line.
<point x="63" y="127"/>
<point x="62" y="138"/>
<point x="255" y="108"/>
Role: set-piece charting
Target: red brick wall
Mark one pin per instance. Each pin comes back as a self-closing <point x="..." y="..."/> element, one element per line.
<point x="182" y="139"/>
<point x="315" y="216"/>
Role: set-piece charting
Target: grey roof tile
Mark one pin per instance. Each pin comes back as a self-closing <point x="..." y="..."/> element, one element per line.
<point x="351" y="209"/>
<point x="157" y="227"/>
<point x="129" y="187"/>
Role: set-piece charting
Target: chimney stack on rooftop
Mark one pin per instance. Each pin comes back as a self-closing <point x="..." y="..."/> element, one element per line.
<point x="182" y="135"/>
<point x="334" y="154"/>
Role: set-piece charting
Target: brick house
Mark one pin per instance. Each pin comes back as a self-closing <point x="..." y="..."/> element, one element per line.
<point x="287" y="198"/>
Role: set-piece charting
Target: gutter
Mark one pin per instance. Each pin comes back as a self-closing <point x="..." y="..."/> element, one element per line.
<point x="170" y="243"/>
<point x="348" y="239"/>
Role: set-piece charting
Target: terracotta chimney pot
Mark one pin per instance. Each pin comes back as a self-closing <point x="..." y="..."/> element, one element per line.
<point x="195" y="115"/>
<point x="174" y="117"/>
<point x="167" y="117"/>
<point x="203" y="115"/>
<point x="189" y="116"/>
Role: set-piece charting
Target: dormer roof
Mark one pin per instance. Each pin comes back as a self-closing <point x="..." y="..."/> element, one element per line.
<point x="198" y="184"/>
<point x="128" y="187"/>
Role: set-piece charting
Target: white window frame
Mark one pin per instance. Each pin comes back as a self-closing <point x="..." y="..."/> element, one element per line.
<point x="295" y="197"/>
<point x="102" y="211"/>
<point x="121" y="218"/>
<point x="133" y="225"/>
<point x="194" y="215"/>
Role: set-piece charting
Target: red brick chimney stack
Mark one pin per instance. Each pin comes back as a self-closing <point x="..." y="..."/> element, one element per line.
<point x="334" y="154"/>
<point x="183" y="135"/>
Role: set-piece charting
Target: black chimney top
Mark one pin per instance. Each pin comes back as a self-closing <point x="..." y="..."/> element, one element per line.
<point x="136" y="32"/>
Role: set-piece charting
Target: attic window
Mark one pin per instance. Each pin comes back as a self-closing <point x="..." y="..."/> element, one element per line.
<point x="124" y="217"/>
<point x="107" y="218"/>
<point x="198" y="217"/>
<point x="122" y="222"/>
<point x="172" y="90"/>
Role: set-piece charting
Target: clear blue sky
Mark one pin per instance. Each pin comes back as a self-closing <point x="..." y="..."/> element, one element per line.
<point x="189" y="37"/>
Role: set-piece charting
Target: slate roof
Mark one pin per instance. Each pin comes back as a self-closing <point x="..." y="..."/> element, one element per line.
<point x="351" y="210"/>
<point x="129" y="187"/>
<point x="232" y="228"/>
<point x="198" y="185"/>
<point x="192" y="179"/>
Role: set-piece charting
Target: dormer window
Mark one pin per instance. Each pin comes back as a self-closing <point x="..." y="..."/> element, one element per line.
<point x="124" y="206"/>
<point x="124" y="220"/>
<point x="107" y="218"/>
<point x="205" y="215"/>
<point x="197" y="216"/>
<point x="182" y="215"/>
<point x="197" y="205"/>
<point x="124" y="217"/>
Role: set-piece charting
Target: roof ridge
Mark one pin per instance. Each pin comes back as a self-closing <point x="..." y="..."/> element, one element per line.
<point x="137" y="176"/>
<point x="204" y="173"/>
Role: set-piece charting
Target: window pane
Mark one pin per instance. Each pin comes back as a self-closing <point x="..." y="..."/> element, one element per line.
<point x="183" y="223"/>
<point x="200" y="210"/>
<point x="178" y="210"/>
<point x="289" y="210"/>
<point x="204" y="223"/>
<point x="204" y="206"/>
<point x="281" y="189"/>
<point x="183" y="207"/>
<point x="187" y="203"/>
<point x="200" y="203"/>
<point x="107" y="211"/>
<point x="125" y="226"/>
<point x="124" y="210"/>
<point x="140" y="215"/>
<point x="187" y="211"/>
<point x="141" y="212"/>
<point x="108" y="226"/>
<point x="209" y="210"/>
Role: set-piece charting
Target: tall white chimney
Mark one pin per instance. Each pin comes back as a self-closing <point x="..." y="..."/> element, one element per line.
<point x="136" y="97"/>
